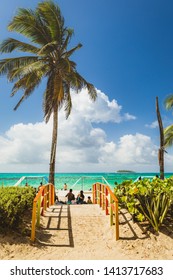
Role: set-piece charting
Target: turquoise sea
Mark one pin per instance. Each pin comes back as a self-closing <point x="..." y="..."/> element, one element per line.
<point x="76" y="181"/>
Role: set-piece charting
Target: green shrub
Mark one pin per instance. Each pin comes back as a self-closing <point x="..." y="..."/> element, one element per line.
<point x="147" y="199"/>
<point x="14" y="201"/>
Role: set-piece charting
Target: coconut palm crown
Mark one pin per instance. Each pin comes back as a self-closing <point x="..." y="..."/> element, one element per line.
<point x="47" y="56"/>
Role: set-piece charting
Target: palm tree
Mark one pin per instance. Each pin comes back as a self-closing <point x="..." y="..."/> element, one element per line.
<point x="161" y="149"/>
<point x="47" y="57"/>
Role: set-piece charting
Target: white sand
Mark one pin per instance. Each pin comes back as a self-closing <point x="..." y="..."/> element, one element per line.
<point x="83" y="232"/>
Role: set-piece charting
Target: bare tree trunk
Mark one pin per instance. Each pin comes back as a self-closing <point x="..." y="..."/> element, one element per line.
<point x="161" y="149"/>
<point x="53" y="147"/>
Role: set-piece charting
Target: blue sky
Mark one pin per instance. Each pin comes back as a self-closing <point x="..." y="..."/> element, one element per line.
<point x="127" y="54"/>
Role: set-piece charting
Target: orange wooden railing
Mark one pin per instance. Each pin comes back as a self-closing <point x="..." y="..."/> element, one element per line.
<point x="103" y="195"/>
<point x="44" y="198"/>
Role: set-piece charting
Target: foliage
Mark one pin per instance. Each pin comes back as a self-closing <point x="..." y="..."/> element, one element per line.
<point x="14" y="201"/>
<point x="168" y="131"/>
<point x="146" y="199"/>
<point x="168" y="134"/>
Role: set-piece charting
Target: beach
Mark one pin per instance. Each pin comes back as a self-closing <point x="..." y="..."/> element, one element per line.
<point x="83" y="232"/>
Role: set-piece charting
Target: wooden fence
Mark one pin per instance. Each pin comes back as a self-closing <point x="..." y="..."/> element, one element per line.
<point x="103" y="195"/>
<point x="44" y="198"/>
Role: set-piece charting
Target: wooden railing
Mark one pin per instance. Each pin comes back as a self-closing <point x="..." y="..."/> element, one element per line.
<point x="44" y="198"/>
<point x="103" y="195"/>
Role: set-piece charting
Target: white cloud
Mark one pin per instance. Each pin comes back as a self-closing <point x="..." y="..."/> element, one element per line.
<point x="25" y="144"/>
<point x="103" y="109"/>
<point x="152" y="125"/>
<point x="82" y="145"/>
<point x="136" y="149"/>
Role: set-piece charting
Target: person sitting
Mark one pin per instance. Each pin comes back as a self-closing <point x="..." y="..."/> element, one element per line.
<point x="57" y="201"/>
<point x="70" y="197"/>
<point x="65" y="187"/>
<point x="80" y="198"/>
<point x="89" y="201"/>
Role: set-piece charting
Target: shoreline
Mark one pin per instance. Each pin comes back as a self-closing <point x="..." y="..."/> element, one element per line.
<point x="76" y="181"/>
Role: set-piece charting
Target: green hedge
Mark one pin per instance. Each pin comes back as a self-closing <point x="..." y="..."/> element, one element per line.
<point x="147" y="199"/>
<point x="14" y="201"/>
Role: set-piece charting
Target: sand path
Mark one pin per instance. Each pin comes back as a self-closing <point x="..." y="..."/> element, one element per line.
<point x="83" y="232"/>
<point x="77" y="232"/>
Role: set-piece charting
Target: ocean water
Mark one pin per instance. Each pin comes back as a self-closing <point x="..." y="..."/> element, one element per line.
<point x="76" y="181"/>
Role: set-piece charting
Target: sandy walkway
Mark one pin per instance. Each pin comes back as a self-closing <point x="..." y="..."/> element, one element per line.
<point x="83" y="232"/>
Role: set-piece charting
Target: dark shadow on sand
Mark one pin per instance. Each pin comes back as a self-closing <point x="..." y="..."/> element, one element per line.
<point x="134" y="234"/>
<point x="145" y="227"/>
<point x="58" y="212"/>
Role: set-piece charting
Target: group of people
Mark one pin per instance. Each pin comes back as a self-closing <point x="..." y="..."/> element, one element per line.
<point x="79" y="200"/>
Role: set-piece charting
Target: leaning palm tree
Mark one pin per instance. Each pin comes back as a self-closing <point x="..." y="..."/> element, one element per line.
<point x="161" y="149"/>
<point x="47" y="57"/>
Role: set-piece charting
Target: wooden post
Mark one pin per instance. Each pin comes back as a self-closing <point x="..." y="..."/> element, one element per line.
<point x="97" y="193"/>
<point x="52" y="194"/>
<point x="94" y="194"/>
<point x="38" y="211"/>
<point x="43" y="199"/>
<point x="49" y="195"/>
<point x="33" y="221"/>
<point x="103" y="196"/>
<point x="106" y="201"/>
<point x="100" y="195"/>
<point x="116" y="221"/>
<point x="111" y="211"/>
<point x="42" y="203"/>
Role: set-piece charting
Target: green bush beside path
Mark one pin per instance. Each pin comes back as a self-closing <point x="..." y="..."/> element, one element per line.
<point x="14" y="201"/>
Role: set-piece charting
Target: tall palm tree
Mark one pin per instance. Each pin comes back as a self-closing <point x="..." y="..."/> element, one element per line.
<point x="161" y="149"/>
<point x="47" y="57"/>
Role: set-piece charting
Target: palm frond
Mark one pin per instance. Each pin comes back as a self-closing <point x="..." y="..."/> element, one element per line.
<point x="10" y="44"/>
<point x="48" y="48"/>
<point x="28" y="90"/>
<point x="29" y="24"/>
<point x="169" y="102"/>
<point x="51" y="15"/>
<point x="92" y="91"/>
<point x="38" y="67"/>
<point x="30" y="81"/>
<point x="69" y="33"/>
<point x="9" y="64"/>
<point x="48" y="97"/>
<point x="70" y="52"/>
<point x="67" y="99"/>
<point x="168" y="136"/>
<point x="77" y="82"/>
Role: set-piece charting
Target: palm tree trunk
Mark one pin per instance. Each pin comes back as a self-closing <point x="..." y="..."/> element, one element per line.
<point x="161" y="150"/>
<point x="53" y="147"/>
